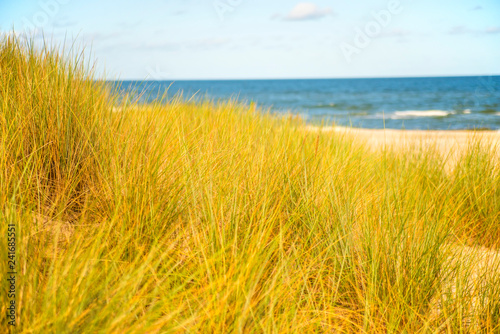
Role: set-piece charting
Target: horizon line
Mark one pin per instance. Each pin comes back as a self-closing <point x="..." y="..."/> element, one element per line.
<point x="312" y="78"/>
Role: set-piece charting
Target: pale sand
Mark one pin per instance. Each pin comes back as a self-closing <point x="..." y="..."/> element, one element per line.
<point x="470" y="278"/>
<point x="450" y="144"/>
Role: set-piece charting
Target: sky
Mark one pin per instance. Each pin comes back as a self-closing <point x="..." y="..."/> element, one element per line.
<point x="263" y="39"/>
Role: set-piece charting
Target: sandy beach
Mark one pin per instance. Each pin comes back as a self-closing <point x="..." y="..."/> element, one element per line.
<point x="448" y="143"/>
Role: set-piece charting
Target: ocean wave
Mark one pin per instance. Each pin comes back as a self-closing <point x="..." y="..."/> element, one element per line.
<point x="420" y="113"/>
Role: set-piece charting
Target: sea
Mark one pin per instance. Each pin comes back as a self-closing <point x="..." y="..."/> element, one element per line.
<point x="434" y="103"/>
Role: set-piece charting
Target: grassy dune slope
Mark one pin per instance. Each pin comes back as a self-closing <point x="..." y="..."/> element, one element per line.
<point x="216" y="217"/>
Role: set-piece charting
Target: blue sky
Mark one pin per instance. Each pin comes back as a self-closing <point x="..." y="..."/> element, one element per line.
<point x="243" y="39"/>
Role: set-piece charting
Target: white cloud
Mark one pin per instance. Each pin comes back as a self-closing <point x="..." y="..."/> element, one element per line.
<point x="307" y="11"/>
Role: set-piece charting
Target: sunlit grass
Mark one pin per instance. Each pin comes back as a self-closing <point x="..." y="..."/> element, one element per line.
<point x="218" y="217"/>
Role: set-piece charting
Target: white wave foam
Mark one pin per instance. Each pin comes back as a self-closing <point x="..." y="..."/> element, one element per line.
<point x="420" y="113"/>
<point x="467" y="111"/>
<point x="497" y="113"/>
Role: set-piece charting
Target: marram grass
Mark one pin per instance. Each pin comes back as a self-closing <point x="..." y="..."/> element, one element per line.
<point x="216" y="217"/>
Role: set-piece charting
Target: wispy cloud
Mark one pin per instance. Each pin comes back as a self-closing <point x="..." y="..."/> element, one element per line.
<point x="275" y="16"/>
<point x="158" y="46"/>
<point x="459" y="30"/>
<point x="130" y="24"/>
<point x="180" y="12"/>
<point x="492" y="30"/>
<point x="64" y="22"/>
<point x="101" y="37"/>
<point x="207" y="44"/>
<point x="307" y="11"/>
<point x="462" y="30"/>
<point x="196" y="45"/>
<point x="477" y="8"/>
<point x="395" y="33"/>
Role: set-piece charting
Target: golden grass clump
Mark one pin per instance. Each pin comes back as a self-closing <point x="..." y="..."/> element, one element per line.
<point x="216" y="217"/>
<point x="53" y="130"/>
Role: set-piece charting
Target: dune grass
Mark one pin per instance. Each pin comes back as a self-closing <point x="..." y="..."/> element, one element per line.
<point x="216" y="217"/>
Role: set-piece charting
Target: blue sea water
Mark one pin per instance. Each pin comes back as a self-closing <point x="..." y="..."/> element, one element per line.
<point x="445" y="103"/>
